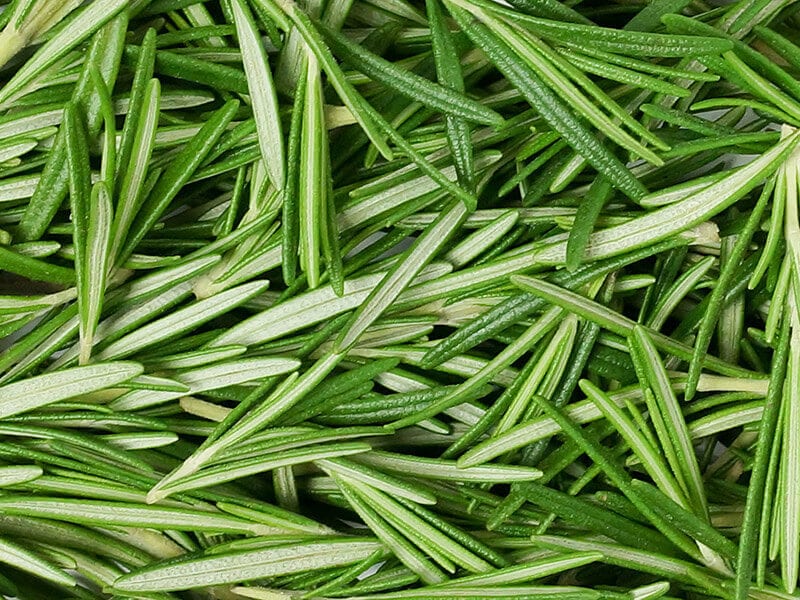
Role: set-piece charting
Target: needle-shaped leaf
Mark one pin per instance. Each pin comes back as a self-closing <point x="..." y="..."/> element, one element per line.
<point x="413" y="261"/>
<point x="19" y="474"/>
<point x="343" y="88"/>
<point x="621" y="74"/>
<point x="299" y="312"/>
<point x="557" y="113"/>
<point x="108" y="162"/>
<point x="578" y="512"/>
<point x="142" y="74"/>
<point x="81" y="26"/>
<point x="585" y="219"/>
<point x="34" y="269"/>
<point x="413" y="526"/>
<point x="649" y="456"/>
<point x="615" y="40"/>
<point x="652" y="373"/>
<point x="757" y="494"/>
<point x="448" y="71"/>
<point x="788" y="497"/>
<point x="239" y="425"/>
<point x="232" y="567"/>
<point x="518" y="306"/>
<point x="98" y="513"/>
<point x="689" y="522"/>
<point x="438" y="97"/>
<point x="618" y="323"/>
<point x="141" y="130"/>
<point x="262" y="93"/>
<point x="23" y="559"/>
<point x="207" y="378"/>
<point x="381" y="481"/>
<point x="525" y="571"/>
<point x="177" y="174"/>
<point x="534" y="333"/>
<point x="718" y="293"/>
<point x="677" y="292"/>
<point x="626" y="557"/>
<point x="50" y="190"/>
<point x="392" y="539"/>
<point x="80" y="202"/>
<point x="41" y="390"/>
<point x="98" y="77"/>
<point x="680" y="216"/>
<point x="290" y="233"/>
<point x="313" y="175"/>
<point x="192" y="69"/>
<point x="229" y="471"/>
<point x="445" y="469"/>
<point x="183" y="320"/>
<point x="97" y="262"/>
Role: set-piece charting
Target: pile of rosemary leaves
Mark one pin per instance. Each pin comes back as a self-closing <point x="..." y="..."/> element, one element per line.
<point x="399" y="299"/>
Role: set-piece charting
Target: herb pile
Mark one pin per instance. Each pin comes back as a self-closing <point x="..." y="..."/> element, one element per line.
<point x="399" y="299"/>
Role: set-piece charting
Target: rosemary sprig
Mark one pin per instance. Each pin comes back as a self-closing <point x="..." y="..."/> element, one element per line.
<point x="391" y="299"/>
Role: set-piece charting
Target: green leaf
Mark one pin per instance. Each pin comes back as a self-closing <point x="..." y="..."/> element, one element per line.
<point x="206" y="378"/>
<point x="233" y="567"/>
<point x="19" y="474"/>
<point x="262" y="93"/>
<point x="412" y="262"/>
<point x="718" y="293"/>
<point x="177" y="175"/>
<point x="648" y="562"/>
<point x="415" y="528"/>
<point x="446" y="469"/>
<point x="80" y="27"/>
<point x="583" y="514"/>
<point x="482" y="240"/>
<point x="680" y="216"/>
<point x="585" y="218"/>
<point x="343" y="88"/>
<point x="236" y="469"/>
<point x="240" y="425"/>
<point x="448" y="71"/>
<point x="788" y="498"/>
<point x="405" y="82"/>
<point x="619" y="324"/>
<point x="143" y="73"/>
<point x="637" y="440"/>
<point x="391" y="538"/>
<point x="105" y="514"/>
<point x="681" y="288"/>
<point x="41" y="390"/>
<point x="523" y="572"/>
<point x="141" y="132"/>
<point x="388" y="484"/>
<point x="98" y="76"/>
<point x="20" y="558"/>
<point x="195" y="70"/>
<point x="757" y="493"/>
<point x="297" y="313"/>
<point x="558" y="114"/>
<point x="183" y="320"/>
<point x="33" y="268"/>
<point x="618" y="41"/>
<point x="97" y="266"/>
<point x="649" y="18"/>
<point x="652" y="373"/>
<point x="314" y="172"/>
<point x="687" y="521"/>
